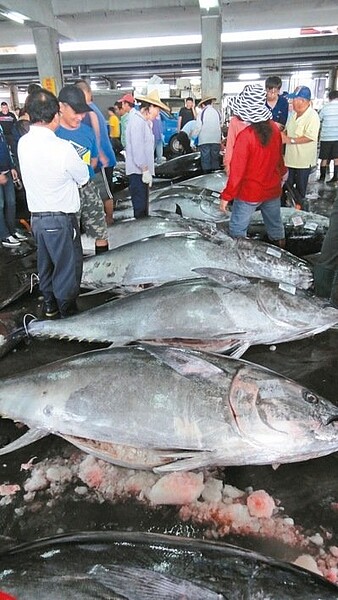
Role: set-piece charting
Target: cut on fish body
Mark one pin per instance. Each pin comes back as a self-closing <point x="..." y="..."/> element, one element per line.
<point x="173" y="409"/>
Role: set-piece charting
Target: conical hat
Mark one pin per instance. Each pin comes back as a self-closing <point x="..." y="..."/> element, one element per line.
<point x="153" y="98"/>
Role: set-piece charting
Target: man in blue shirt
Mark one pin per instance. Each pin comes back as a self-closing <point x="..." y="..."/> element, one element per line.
<point x="106" y="160"/>
<point x="72" y="111"/>
<point x="277" y="103"/>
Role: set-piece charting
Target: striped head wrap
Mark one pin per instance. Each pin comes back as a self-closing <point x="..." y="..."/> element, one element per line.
<point x="250" y="105"/>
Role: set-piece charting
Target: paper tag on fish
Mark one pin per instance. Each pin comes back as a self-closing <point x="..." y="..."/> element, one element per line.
<point x="215" y="194"/>
<point x="271" y="388"/>
<point x="274" y="251"/>
<point x="297" y="221"/>
<point x="287" y="287"/>
<point x="311" y="225"/>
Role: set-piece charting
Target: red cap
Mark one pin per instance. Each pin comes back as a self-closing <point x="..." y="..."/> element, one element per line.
<point x="5" y="596"/>
<point x="128" y="98"/>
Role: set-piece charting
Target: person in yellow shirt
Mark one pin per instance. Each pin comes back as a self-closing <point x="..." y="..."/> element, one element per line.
<point x="114" y="130"/>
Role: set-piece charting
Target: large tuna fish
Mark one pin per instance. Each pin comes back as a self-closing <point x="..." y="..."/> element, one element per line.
<point x="131" y="230"/>
<point x="169" y="257"/>
<point x="180" y="167"/>
<point x="186" y="201"/>
<point x="147" y="566"/>
<point x="167" y="409"/>
<point x="304" y="231"/>
<point x="210" y="181"/>
<point x="199" y="313"/>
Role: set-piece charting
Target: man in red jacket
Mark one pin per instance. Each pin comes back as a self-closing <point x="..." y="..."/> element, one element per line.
<point x="256" y="168"/>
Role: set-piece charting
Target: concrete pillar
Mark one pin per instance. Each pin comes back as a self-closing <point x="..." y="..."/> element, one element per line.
<point x="14" y="96"/>
<point x="48" y="58"/>
<point x="211" y="53"/>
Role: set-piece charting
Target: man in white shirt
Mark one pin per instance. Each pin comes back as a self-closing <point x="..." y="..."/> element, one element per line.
<point x="51" y="172"/>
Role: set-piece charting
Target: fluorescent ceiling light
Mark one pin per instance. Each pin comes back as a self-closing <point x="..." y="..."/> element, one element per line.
<point x="249" y="76"/>
<point x="15" y="16"/>
<point x="207" y="4"/>
<point x="116" y="44"/>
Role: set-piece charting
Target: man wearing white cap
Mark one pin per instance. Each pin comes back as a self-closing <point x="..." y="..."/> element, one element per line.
<point x="301" y="138"/>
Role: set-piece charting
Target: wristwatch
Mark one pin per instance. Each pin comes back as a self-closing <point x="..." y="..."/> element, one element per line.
<point x="292" y="140"/>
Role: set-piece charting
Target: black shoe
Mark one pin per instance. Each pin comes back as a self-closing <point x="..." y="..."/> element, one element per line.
<point x="332" y="181"/>
<point x="50" y="311"/>
<point x="68" y="308"/>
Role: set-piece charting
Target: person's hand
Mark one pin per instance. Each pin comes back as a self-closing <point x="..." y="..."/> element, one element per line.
<point x="14" y="174"/>
<point x="3" y="179"/>
<point x="223" y="206"/>
<point x="147" y="178"/>
<point x="103" y="159"/>
<point x="285" y="177"/>
<point x="285" y="137"/>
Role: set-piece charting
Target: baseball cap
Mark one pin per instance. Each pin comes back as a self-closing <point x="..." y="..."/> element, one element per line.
<point x="301" y="92"/>
<point x="72" y="95"/>
<point x="127" y="98"/>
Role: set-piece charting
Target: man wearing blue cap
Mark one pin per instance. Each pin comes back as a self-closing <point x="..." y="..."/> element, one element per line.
<point x="301" y="138"/>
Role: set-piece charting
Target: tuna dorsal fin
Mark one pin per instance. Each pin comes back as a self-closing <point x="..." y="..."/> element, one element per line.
<point x="32" y="435"/>
<point x="226" y="278"/>
<point x="187" y="364"/>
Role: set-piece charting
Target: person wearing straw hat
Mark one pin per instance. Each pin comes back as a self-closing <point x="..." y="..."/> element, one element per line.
<point x="256" y="168"/>
<point x="140" y="150"/>
<point x="210" y="135"/>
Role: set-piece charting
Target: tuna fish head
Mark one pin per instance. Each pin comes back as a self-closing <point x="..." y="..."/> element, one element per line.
<point x="282" y="418"/>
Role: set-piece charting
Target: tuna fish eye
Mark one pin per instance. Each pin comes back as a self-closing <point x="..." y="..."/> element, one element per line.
<point x="310" y="397"/>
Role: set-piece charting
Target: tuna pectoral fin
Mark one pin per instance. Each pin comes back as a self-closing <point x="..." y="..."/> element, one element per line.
<point x="195" y="460"/>
<point x="33" y="435"/>
<point x="239" y="349"/>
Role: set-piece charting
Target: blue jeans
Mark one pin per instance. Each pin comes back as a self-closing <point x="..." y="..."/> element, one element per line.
<point x="139" y="192"/>
<point x="209" y="156"/>
<point x="7" y="208"/>
<point x="241" y="215"/>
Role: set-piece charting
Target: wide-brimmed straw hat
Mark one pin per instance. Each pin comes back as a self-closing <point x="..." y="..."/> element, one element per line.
<point x="204" y="100"/>
<point x="250" y="104"/>
<point x="153" y="98"/>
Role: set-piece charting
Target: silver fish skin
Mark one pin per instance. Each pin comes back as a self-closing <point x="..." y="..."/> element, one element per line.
<point x="201" y="313"/>
<point x="215" y="182"/>
<point x="186" y="201"/>
<point x="90" y="565"/>
<point x="165" y="258"/>
<point x="168" y="409"/>
<point x="131" y="230"/>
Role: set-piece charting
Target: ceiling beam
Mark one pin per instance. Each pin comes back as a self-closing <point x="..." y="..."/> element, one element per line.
<point x="40" y="13"/>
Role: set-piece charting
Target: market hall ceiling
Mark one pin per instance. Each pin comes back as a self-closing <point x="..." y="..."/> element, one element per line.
<point x="94" y="20"/>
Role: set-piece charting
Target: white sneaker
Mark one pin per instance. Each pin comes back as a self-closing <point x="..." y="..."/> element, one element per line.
<point x="19" y="236"/>
<point x="10" y="242"/>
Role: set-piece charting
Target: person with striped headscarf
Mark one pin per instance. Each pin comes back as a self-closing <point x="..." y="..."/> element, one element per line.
<point x="256" y="168"/>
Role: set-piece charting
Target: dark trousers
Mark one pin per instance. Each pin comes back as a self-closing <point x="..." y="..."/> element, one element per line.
<point x="139" y="192"/>
<point x="184" y="140"/>
<point x="326" y="269"/>
<point x="59" y="255"/>
<point x="298" y="179"/>
<point x="209" y="157"/>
